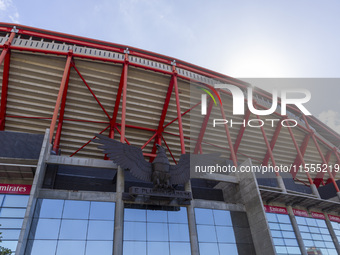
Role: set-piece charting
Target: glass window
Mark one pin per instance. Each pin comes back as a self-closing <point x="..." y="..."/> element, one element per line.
<point x="12" y="212"/>
<point x="15" y="201"/>
<point x="102" y="211"/>
<point x="49" y="208"/>
<point x="76" y="209"/>
<point x="284" y="238"/>
<point x="315" y="234"/>
<point x="150" y="232"/>
<point x="99" y="247"/>
<point x="215" y="235"/>
<point x="72" y="227"/>
<point x="70" y="248"/>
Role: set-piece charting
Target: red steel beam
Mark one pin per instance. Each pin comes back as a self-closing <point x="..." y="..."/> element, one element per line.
<point x="158" y="138"/>
<point x="4" y="91"/>
<point x="300" y="155"/>
<point x="123" y="80"/>
<point x="61" y="117"/>
<point x="272" y="143"/>
<point x="241" y="132"/>
<point x="321" y="154"/>
<point x="6" y="47"/>
<point x="91" y="91"/>
<point x="297" y="161"/>
<point x="320" y="175"/>
<point x="179" y="116"/>
<point x="124" y="91"/>
<point x="269" y="150"/>
<point x="198" y="147"/>
<point x="231" y="147"/>
<point x="60" y="94"/>
<point x="335" y="150"/>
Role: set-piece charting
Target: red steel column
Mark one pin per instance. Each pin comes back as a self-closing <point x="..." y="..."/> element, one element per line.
<point x="232" y="152"/>
<point x="122" y="84"/>
<point x="198" y="146"/>
<point x="320" y="175"/>
<point x="272" y="143"/>
<point x="321" y="155"/>
<point x="241" y="132"/>
<point x="179" y="116"/>
<point x="4" y="91"/>
<point x="124" y="91"/>
<point x="60" y="94"/>
<point x="61" y="117"/>
<point x="5" y="57"/>
<point x="297" y="161"/>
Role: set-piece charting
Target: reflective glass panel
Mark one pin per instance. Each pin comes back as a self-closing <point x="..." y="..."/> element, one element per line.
<point x="71" y="248"/>
<point x="76" y="209"/>
<point x="99" y="247"/>
<point x="180" y="248"/>
<point x="134" y="247"/>
<point x="12" y="213"/>
<point x="43" y="247"/>
<point x="102" y="211"/>
<point x="49" y="208"/>
<point x="73" y="229"/>
<point x="45" y="229"/>
<point x="100" y="230"/>
<point x="135" y="231"/>
<point x="15" y="201"/>
<point x="157" y="232"/>
<point x="156" y="248"/>
<point x="179" y="232"/>
<point x="178" y="216"/>
<point x="11" y="223"/>
<point x="208" y="248"/>
<point x="204" y="216"/>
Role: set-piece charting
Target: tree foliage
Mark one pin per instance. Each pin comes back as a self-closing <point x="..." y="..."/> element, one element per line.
<point x="3" y="250"/>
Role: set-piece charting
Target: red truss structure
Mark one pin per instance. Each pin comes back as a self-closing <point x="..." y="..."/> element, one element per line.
<point x="78" y="87"/>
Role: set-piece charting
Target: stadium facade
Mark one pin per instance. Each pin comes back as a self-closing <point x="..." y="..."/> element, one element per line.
<point x="59" y="194"/>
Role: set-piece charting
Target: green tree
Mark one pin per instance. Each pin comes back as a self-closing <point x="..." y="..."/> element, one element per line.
<point x="3" y="250"/>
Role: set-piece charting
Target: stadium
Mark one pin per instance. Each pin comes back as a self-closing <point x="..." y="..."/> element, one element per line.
<point x="60" y="194"/>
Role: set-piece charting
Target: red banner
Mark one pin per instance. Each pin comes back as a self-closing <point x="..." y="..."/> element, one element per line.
<point x="302" y="213"/>
<point x="18" y="189"/>
<point x="275" y="209"/>
<point x="317" y="215"/>
<point x="334" y="218"/>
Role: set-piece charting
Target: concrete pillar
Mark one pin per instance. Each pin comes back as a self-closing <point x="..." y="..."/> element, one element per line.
<point x="338" y="194"/>
<point x="192" y="224"/>
<point x="281" y="183"/>
<point x="333" y="235"/>
<point x="36" y="186"/>
<point x="315" y="190"/>
<point x="296" y="230"/>
<point x="119" y="214"/>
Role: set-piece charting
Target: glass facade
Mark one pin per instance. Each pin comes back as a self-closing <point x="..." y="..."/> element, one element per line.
<point x="283" y="235"/>
<point x="336" y="227"/>
<point x="149" y="232"/>
<point x="12" y="212"/>
<point x="215" y="232"/>
<point x="316" y="236"/>
<point x="68" y="227"/>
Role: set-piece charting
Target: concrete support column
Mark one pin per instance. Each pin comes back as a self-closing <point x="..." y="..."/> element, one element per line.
<point x="338" y="194"/>
<point x="333" y="235"/>
<point x="296" y="230"/>
<point x="281" y="183"/>
<point x="315" y="190"/>
<point x="119" y="214"/>
<point x="192" y="224"/>
<point x="36" y="186"/>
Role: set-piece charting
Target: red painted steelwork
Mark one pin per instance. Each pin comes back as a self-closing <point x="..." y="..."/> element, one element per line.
<point x="241" y="132"/>
<point x="299" y="154"/>
<point x="269" y="150"/>
<point x="320" y="175"/>
<point x="163" y="115"/>
<point x="118" y="98"/>
<point x="272" y="143"/>
<point x="297" y="161"/>
<point x="321" y="154"/>
<point x="60" y="94"/>
<point x="91" y="91"/>
<point x="198" y="146"/>
<point x="61" y="117"/>
<point x="335" y="150"/>
<point x="6" y="47"/>
<point x="179" y="116"/>
<point x="4" y="90"/>
<point x="125" y="70"/>
<point x="231" y="147"/>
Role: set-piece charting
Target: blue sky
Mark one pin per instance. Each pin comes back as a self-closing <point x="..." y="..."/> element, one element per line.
<point x="246" y="38"/>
